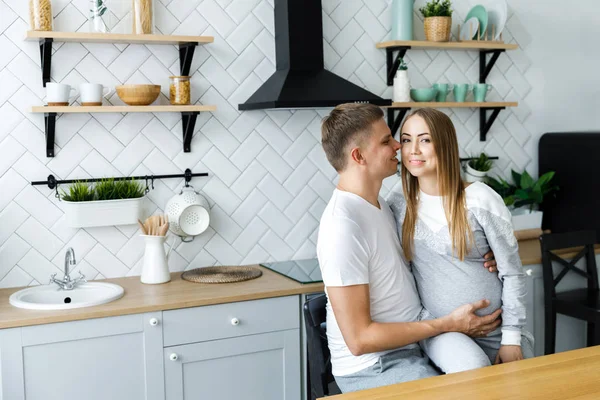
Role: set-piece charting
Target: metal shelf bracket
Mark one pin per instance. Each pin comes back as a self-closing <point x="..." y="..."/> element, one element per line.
<point x="393" y="63"/>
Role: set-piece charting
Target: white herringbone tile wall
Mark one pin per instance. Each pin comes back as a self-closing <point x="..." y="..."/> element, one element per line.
<point x="269" y="179"/>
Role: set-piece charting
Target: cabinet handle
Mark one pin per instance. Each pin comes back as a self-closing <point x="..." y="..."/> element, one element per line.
<point x="173" y="357"/>
<point x="235" y="321"/>
<point x="153" y="321"/>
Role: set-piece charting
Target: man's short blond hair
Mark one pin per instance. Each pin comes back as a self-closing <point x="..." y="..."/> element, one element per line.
<point x="346" y="124"/>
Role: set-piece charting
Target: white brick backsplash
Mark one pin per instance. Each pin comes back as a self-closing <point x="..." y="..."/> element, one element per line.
<point x="222" y="251"/>
<point x="301" y="203"/>
<point x="248" y="180"/>
<point x="276" y="220"/>
<point x="223" y="224"/>
<point x="45" y="242"/>
<point x="222" y="195"/>
<point x="276" y="247"/>
<point x="105" y="262"/>
<point x="252" y="203"/>
<point x="220" y="137"/>
<point x="11" y="252"/>
<point x="275" y="164"/>
<point x="38" y="266"/>
<point x="269" y="178"/>
<point x="16" y="277"/>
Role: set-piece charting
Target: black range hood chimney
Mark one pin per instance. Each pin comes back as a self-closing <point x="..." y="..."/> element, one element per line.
<point x="300" y="79"/>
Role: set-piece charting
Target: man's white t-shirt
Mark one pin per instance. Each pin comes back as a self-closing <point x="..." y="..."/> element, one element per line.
<point x="358" y="244"/>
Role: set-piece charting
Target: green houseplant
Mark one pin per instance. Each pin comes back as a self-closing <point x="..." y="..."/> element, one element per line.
<point x="107" y="203"/>
<point x="476" y="168"/>
<point x="524" y="196"/>
<point x="438" y="20"/>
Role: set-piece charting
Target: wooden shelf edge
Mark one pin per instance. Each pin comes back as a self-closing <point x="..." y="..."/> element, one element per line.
<point x="454" y="104"/>
<point x="423" y="44"/>
<point x="121" y="109"/>
<point x="86" y="37"/>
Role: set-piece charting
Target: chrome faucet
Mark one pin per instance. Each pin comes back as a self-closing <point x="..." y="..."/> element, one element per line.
<point x="67" y="283"/>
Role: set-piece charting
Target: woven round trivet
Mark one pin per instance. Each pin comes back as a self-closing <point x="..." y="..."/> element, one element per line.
<point x="221" y="274"/>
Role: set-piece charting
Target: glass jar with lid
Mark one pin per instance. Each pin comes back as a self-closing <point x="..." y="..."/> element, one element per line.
<point x="179" y="90"/>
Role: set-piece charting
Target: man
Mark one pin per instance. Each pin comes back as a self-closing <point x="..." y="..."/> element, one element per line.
<point x="373" y="309"/>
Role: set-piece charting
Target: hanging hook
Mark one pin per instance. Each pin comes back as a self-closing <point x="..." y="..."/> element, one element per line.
<point x="147" y="189"/>
<point x="56" y="194"/>
<point x="188" y="177"/>
<point x="152" y="181"/>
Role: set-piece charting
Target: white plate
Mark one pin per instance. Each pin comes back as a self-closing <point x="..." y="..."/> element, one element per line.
<point x="497" y="15"/>
<point x="473" y="22"/>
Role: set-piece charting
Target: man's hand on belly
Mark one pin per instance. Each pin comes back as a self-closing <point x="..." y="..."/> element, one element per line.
<point x="464" y="320"/>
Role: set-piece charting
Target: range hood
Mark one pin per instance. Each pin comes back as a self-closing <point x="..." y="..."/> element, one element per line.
<point x="300" y="79"/>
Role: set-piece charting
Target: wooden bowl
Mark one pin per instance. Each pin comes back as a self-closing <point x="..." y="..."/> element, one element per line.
<point x="138" y="95"/>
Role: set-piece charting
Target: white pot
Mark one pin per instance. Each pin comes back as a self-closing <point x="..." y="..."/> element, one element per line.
<point x="522" y="218"/>
<point x="401" y="89"/>
<point x="82" y="214"/>
<point x="472" y="175"/>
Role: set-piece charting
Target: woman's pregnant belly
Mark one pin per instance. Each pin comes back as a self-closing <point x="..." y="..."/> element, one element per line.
<point x="447" y="286"/>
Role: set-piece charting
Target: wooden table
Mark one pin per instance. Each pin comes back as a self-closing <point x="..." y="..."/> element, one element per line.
<point x="570" y="375"/>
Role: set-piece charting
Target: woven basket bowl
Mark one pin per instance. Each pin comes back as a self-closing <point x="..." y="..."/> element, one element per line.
<point x="138" y="95"/>
<point x="437" y="29"/>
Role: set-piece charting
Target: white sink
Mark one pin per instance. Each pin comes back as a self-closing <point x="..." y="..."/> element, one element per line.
<point x="51" y="297"/>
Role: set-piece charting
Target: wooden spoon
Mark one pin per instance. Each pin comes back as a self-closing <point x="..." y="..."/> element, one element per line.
<point x="142" y="227"/>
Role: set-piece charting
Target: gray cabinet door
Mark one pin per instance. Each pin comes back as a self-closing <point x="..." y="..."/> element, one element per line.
<point x="264" y="366"/>
<point x="106" y="358"/>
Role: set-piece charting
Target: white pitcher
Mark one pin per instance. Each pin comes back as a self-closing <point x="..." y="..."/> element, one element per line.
<point x="155" y="269"/>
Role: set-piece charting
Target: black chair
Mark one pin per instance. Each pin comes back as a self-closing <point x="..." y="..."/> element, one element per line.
<point x="319" y="358"/>
<point x="583" y="304"/>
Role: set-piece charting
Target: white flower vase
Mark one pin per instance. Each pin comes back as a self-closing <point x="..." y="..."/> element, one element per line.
<point x="401" y="89"/>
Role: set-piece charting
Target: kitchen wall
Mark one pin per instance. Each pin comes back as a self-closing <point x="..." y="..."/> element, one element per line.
<point x="269" y="180"/>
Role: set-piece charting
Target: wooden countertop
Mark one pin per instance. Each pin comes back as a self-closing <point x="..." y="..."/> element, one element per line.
<point x="569" y="375"/>
<point x="140" y="298"/>
<point x="530" y="251"/>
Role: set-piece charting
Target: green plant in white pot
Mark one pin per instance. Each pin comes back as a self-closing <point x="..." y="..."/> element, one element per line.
<point x="476" y="168"/>
<point x="107" y="203"/>
<point x="524" y="197"/>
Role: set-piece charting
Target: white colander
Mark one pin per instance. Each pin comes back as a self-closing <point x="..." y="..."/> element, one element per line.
<point x="188" y="212"/>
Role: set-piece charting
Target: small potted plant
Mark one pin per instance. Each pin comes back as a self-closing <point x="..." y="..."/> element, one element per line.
<point x="438" y="20"/>
<point x="524" y="197"/>
<point x="476" y="168"/>
<point x="105" y="204"/>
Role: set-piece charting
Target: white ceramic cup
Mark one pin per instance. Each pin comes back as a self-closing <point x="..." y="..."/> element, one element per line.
<point x="92" y="93"/>
<point x="59" y="94"/>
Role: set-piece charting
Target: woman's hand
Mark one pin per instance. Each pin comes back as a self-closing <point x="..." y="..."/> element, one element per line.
<point x="508" y="353"/>
<point x="464" y="320"/>
<point x="490" y="262"/>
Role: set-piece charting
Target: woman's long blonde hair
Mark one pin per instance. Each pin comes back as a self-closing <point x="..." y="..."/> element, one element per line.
<point x="451" y="186"/>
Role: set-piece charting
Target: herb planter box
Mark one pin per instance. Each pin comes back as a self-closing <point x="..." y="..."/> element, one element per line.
<point x="83" y="214"/>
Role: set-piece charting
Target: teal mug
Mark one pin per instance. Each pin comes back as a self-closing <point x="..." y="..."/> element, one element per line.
<point x="480" y="90"/>
<point x="460" y="92"/>
<point x="442" y="91"/>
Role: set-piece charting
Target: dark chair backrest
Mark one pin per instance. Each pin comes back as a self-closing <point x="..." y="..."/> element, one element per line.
<point x="556" y="241"/>
<point x="319" y="359"/>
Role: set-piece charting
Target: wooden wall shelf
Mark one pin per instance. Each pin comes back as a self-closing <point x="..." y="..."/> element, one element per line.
<point x="423" y="44"/>
<point x="188" y="118"/>
<point x="187" y="45"/>
<point x="485" y="124"/>
<point x="84" y="37"/>
<point x="484" y="48"/>
<point x="121" y="109"/>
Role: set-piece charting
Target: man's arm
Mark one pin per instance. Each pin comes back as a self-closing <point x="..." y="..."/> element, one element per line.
<point x="351" y="307"/>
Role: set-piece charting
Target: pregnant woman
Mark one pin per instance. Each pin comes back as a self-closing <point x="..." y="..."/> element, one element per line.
<point x="446" y="228"/>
